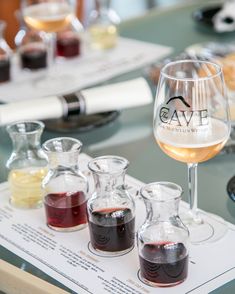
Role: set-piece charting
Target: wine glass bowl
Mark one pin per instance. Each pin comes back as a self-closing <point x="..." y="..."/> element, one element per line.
<point x="191" y="125"/>
<point x="47" y="16"/>
<point x="224" y="55"/>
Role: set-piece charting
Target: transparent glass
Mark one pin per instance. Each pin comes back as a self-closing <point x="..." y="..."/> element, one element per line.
<point x="228" y="65"/>
<point x="163" y="239"/>
<point x="191" y="125"/>
<point x="102" y="26"/>
<point x="27" y="164"/>
<point x="65" y="187"/>
<point x="49" y="17"/>
<point x="111" y="209"/>
<point x="22" y="28"/>
<point x="222" y="54"/>
<point x="68" y="41"/>
<point x="5" y="55"/>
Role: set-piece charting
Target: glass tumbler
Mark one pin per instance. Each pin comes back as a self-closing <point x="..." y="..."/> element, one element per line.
<point x="111" y="209"/>
<point x="162" y="239"/>
<point x="27" y="164"/>
<point x="65" y="187"/>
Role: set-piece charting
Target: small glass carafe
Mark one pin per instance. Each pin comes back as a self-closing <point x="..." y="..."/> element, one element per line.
<point x="31" y="45"/>
<point x="68" y="41"/>
<point x="111" y="209"/>
<point x="5" y="55"/>
<point x="33" y="51"/>
<point x="102" y="26"/>
<point x="65" y="187"/>
<point x="162" y="239"/>
<point x="27" y="164"/>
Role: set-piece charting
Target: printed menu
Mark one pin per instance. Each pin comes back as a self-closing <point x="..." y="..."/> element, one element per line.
<point x="67" y="257"/>
<point x="90" y="68"/>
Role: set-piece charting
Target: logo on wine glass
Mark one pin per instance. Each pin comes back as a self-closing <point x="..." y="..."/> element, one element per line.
<point x="181" y="98"/>
<point x="171" y="114"/>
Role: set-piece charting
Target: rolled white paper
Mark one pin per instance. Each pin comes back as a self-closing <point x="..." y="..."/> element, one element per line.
<point x="122" y="95"/>
<point x="117" y="96"/>
<point x="40" y="109"/>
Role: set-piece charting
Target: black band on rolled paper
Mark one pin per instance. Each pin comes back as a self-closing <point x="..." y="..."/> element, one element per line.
<point x="75" y="104"/>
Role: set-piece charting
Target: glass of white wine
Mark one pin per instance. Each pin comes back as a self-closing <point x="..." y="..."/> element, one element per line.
<point x="191" y="125"/>
<point x="49" y="16"/>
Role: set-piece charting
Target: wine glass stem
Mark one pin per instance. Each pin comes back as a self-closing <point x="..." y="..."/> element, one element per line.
<point x="193" y="196"/>
<point x="51" y="39"/>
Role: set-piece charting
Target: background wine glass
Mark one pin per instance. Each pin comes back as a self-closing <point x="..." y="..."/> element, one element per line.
<point x="191" y="125"/>
<point x="50" y="17"/>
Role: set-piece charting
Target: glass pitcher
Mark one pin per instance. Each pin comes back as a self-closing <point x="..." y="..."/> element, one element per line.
<point x="102" y="26"/>
<point x="27" y="164"/>
<point x="65" y="187"/>
<point x="111" y="209"/>
<point x="163" y="239"/>
<point x="5" y="55"/>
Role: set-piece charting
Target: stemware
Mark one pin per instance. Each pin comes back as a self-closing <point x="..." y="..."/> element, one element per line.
<point x="191" y="125"/>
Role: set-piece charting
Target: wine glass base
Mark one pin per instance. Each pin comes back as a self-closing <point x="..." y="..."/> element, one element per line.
<point x="210" y="229"/>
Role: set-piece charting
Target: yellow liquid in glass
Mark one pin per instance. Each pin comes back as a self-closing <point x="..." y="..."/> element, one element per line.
<point x="193" y="147"/>
<point x="48" y="17"/>
<point x="103" y="37"/>
<point x="25" y="187"/>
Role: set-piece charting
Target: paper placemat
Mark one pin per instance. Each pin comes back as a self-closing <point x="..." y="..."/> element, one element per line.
<point x="66" y="257"/>
<point x="77" y="73"/>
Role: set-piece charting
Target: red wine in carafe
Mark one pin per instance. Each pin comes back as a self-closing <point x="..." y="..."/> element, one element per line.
<point x="68" y="44"/>
<point x="33" y="58"/>
<point x="164" y="263"/>
<point x="65" y="210"/>
<point x="112" y="229"/>
<point x="4" y="70"/>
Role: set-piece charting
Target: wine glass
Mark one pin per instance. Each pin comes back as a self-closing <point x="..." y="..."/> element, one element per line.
<point x="191" y="125"/>
<point x="49" y="16"/>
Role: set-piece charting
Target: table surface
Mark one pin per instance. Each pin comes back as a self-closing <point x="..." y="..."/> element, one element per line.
<point x="130" y="135"/>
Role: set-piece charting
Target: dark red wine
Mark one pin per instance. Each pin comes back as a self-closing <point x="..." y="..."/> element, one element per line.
<point x="164" y="263"/>
<point x="112" y="229"/>
<point x="4" y="70"/>
<point x="33" y="58"/>
<point x="68" y="44"/>
<point x="66" y="210"/>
